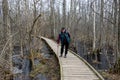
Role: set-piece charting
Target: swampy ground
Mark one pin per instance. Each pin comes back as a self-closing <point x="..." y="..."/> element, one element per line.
<point x="46" y="65"/>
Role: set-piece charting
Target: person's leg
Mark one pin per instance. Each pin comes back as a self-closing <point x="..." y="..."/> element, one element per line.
<point x="62" y="49"/>
<point x="66" y="49"/>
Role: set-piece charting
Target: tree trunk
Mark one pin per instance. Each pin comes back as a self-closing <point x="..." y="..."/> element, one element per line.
<point x="7" y="29"/>
<point x="101" y="24"/>
<point x="5" y="19"/>
<point x="115" y="29"/>
<point x="94" y="32"/>
<point x="94" y="27"/>
<point x="52" y="19"/>
<point x="64" y="14"/>
<point x="119" y="29"/>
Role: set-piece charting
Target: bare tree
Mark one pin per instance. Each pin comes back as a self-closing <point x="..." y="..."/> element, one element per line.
<point x="101" y="24"/>
<point x="5" y="17"/>
<point x="64" y="13"/>
<point x="119" y="29"/>
<point x="7" y="29"/>
<point x="94" y="28"/>
<point x="115" y="27"/>
<point x="52" y="18"/>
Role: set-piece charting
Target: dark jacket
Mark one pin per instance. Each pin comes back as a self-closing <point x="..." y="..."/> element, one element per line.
<point x="64" y="38"/>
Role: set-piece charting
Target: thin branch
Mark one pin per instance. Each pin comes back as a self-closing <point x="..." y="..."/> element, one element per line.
<point x="99" y="14"/>
<point x="2" y="52"/>
<point x="32" y="27"/>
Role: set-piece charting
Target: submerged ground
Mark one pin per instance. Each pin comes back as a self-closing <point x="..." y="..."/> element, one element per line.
<point x="46" y="66"/>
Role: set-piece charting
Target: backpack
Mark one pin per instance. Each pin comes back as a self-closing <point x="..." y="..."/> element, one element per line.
<point x="67" y="37"/>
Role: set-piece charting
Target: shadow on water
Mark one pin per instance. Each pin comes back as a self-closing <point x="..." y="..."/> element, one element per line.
<point x="105" y="60"/>
<point x="23" y="66"/>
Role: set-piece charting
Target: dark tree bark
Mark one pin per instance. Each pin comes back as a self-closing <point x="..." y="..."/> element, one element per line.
<point x="64" y="13"/>
<point x="52" y="17"/>
<point x="5" y="18"/>
<point x="119" y="29"/>
<point x="7" y="31"/>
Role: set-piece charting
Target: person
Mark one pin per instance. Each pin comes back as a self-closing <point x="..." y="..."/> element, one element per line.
<point x="64" y="38"/>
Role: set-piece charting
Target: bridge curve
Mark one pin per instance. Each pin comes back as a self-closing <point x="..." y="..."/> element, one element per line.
<point x="73" y="67"/>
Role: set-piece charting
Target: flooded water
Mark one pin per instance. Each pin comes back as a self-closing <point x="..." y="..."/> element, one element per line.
<point x="105" y="59"/>
<point x="23" y="66"/>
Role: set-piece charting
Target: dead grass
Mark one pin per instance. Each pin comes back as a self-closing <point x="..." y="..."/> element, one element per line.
<point x="110" y="76"/>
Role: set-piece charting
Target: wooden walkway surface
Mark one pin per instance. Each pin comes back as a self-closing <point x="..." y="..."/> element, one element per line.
<point x="72" y="67"/>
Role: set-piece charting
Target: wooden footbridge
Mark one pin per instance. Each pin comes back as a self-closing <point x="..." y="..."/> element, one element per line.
<point x="73" y="67"/>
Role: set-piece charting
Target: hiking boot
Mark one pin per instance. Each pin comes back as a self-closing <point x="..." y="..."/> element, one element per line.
<point x="60" y="56"/>
<point x="65" y="56"/>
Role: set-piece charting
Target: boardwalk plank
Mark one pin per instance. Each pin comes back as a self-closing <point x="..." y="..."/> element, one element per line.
<point x="72" y="67"/>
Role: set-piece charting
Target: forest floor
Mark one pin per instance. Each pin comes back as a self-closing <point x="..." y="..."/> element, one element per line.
<point x="1" y="74"/>
<point x="110" y="76"/>
<point x="4" y="75"/>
